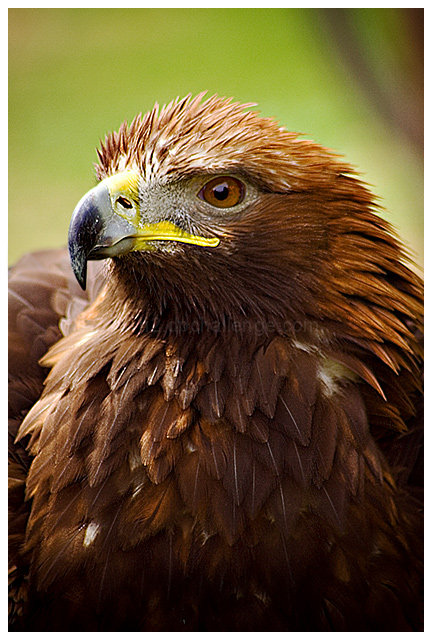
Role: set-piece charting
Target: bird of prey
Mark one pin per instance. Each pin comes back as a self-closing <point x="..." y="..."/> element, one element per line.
<point x="216" y="398"/>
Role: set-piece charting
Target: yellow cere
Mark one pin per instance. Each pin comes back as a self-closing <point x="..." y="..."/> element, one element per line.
<point x="124" y="183"/>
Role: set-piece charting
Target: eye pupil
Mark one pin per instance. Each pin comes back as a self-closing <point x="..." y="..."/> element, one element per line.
<point x="124" y="202"/>
<point x="221" y="192"/>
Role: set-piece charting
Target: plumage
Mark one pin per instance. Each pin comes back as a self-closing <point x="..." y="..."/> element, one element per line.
<point x="222" y="432"/>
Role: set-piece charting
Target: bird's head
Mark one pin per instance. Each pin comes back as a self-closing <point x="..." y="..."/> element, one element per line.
<point x="208" y="209"/>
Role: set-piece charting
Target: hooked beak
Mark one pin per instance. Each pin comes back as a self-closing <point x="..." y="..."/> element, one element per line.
<point x="97" y="231"/>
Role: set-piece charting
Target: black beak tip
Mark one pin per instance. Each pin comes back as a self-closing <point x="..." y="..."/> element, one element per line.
<point x="79" y="264"/>
<point x="82" y="277"/>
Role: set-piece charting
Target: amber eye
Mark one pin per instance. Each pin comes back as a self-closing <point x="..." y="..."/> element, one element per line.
<point x="223" y="192"/>
<point x="124" y="202"/>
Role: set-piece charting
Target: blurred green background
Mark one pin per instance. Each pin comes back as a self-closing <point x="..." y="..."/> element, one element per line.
<point x="352" y="79"/>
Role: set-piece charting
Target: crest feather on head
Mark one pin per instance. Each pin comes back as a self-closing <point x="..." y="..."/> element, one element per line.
<point x="192" y="135"/>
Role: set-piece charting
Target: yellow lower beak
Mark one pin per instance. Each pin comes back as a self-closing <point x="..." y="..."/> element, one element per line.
<point x="166" y="230"/>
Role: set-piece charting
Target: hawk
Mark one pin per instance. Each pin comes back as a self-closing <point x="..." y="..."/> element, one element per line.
<point x="216" y="397"/>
